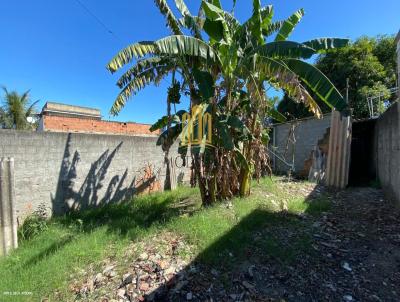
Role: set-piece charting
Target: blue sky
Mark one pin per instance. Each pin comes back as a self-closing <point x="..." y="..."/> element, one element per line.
<point x="59" y="51"/>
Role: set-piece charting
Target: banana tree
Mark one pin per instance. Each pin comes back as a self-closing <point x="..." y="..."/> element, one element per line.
<point x="157" y="59"/>
<point x="228" y="72"/>
<point x="247" y="56"/>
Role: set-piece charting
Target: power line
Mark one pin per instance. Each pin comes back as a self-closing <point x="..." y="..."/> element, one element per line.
<point x="98" y="20"/>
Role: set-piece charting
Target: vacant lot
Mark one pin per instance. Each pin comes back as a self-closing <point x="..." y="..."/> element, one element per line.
<point x="289" y="240"/>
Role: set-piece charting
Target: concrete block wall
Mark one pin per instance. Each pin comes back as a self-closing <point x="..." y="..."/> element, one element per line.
<point x="387" y="144"/>
<point x="76" y="170"/>
<point x="308" y="132"/>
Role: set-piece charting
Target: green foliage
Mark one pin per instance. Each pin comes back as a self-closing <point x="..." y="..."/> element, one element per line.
<point x="138" y="69"/>
<point x="34" y="224"/>
<point x="16" y="109"/>
<point x="225" y="139"/>
<point x="185" y="46"/>
<point x="215" y="25"/>
<point x="292" y="109"/>
<point x="165" y="10"/>
<point x="276" y="115"/>
<point x="194" y="24"/>
<point x="161" y="123"/>
<point x="285" y="49"/>
<point x="385" y="50"/>
<point x="323" y="44"/>
<point x="205" y="82"/>
<point x="289" y="25"/>
<point x="377" y="89"/>
<point x="174" y="95"/>
<point x="271" y="28"/>
<point x="126" y="55"/>
<point x="370" y="65"/>
<point x="138" y="83"/>
<point x="265" y="137"/>
<point x="227" y="37"/>
<point x="181" y="6"/>
<point x="242" y="160"/>
<point x="281" y="76"/>
<point x="318" y="83"/>
<point x="228" y="73"/>
<point x="4" y="119"/>
<point x="169" y="136"/>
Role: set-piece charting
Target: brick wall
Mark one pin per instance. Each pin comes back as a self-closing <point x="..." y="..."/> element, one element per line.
<point x="83" y="125"/>
<point x="76" y="170"/>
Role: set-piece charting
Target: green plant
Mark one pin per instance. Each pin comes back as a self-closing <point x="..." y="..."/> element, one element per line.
<point x="227" y="75"/>
<point x="34" y="224"/>
<point x="16" y="109"/>
<point x="370" y="65"/>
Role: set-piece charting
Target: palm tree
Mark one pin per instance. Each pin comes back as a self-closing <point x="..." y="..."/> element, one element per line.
<point x="3" y="119"/>
<point x="16" y="110"/>
<point x="228" y="74"/>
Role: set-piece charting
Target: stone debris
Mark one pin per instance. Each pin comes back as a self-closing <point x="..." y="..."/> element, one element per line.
<point x="127" y="279"/>
<point x="143" y="256"/>
<point x="346" y="266"/>
<point x="354" y="255"/>
<point x="145" y="277"/>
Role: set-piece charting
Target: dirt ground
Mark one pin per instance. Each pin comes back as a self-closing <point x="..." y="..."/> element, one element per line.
<point x="350" y="252"/>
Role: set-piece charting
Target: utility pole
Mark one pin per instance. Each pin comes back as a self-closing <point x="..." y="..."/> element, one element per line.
<point x="347" y="91"/>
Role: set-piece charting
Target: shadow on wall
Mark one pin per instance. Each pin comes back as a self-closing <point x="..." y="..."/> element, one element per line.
<point x="88" y="195"/>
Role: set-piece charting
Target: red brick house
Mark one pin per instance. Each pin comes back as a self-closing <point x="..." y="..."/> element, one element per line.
<point x="58" y="117"/>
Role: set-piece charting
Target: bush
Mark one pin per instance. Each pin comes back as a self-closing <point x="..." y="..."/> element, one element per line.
<point x="34" y="224"/>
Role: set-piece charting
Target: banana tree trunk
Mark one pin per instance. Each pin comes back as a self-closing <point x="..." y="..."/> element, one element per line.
<point x="167" y="183"/>
<point x="245" y="173"/>
<point x="245" y="178"/>
<point x="201" y="180"/>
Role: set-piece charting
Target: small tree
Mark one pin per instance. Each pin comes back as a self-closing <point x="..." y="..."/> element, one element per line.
<point x="370" y="65"/>
<point x="16" y="109"/>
